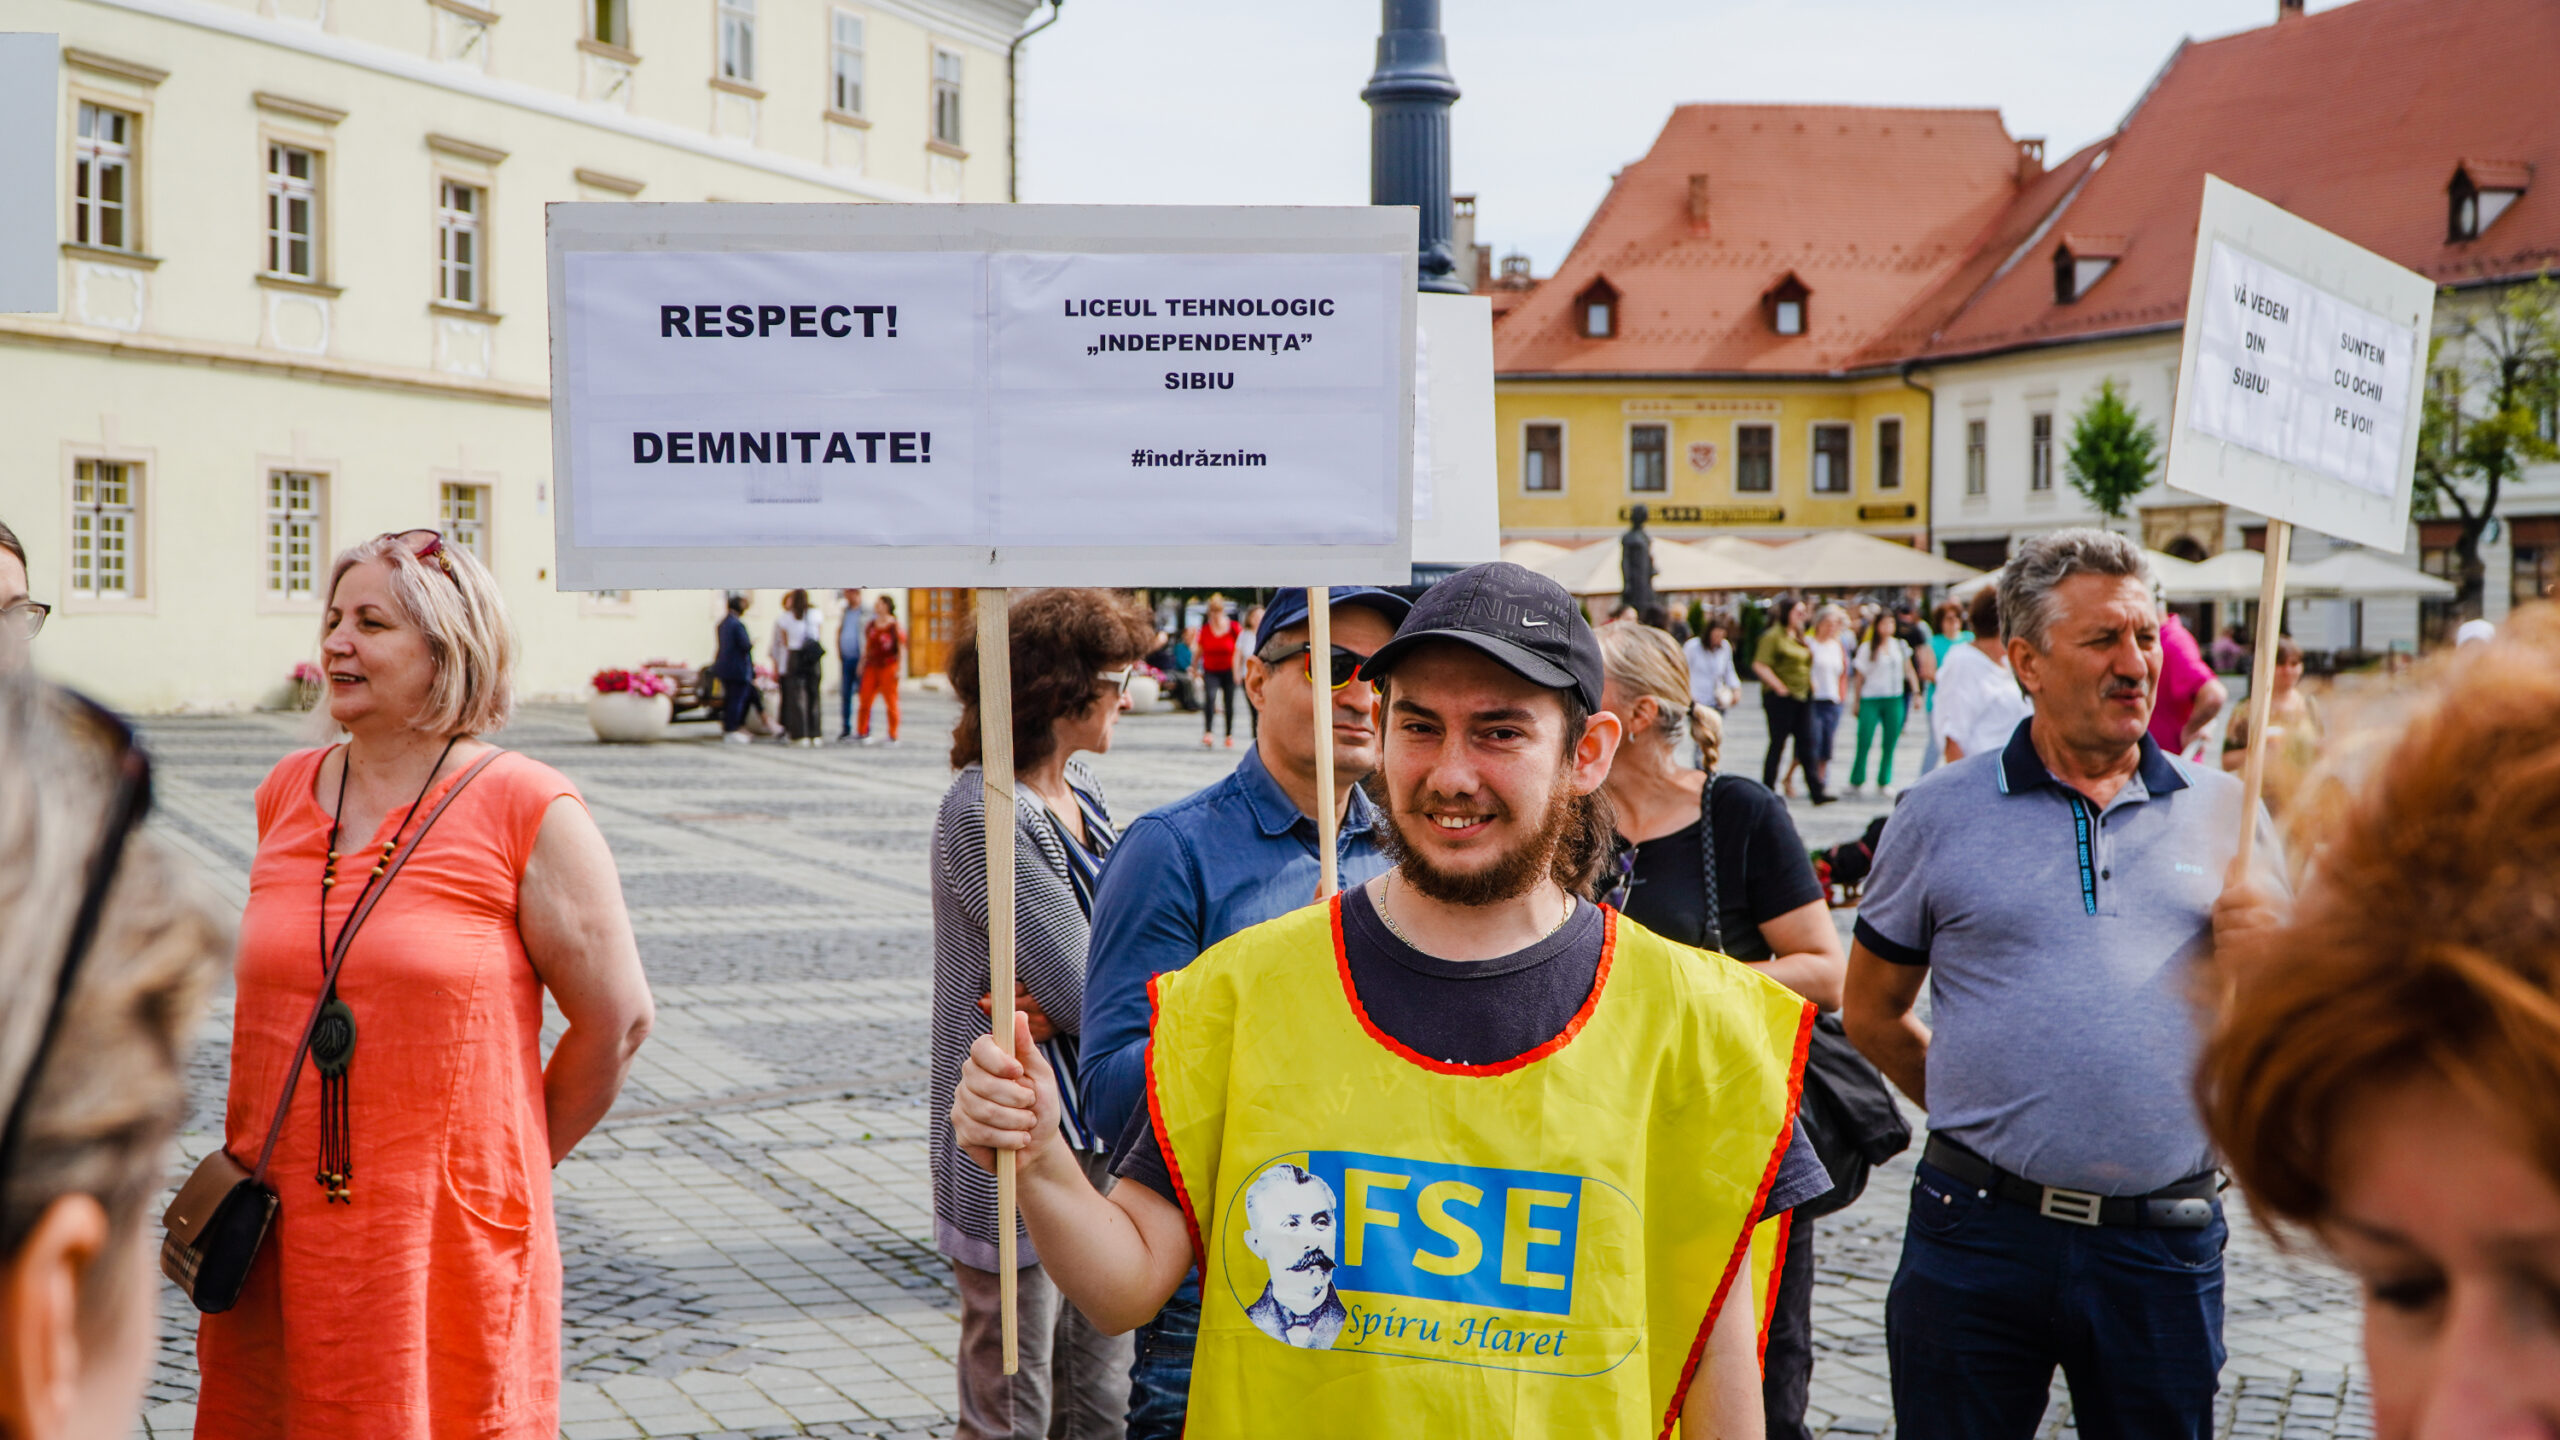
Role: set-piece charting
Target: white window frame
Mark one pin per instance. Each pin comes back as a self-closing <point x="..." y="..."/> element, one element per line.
<point x="1977" y="455"/>
<point x="1771" y="489"/>
<point x="2040" y="452"/>
<point x="845" y="59"/>
<point x="1901" y="435"/>
<point x="462" y="244"/>
<point x="296" y="536"/>
<point x="94" y="520"/>
<point x="1663" y="489"/>
<point x="946" y="97"/>
<point x="1813" y="459"/>
<point x="1564" y="436"/>
<point x="283" y="188"/>
<point x="93" y="158"/>
<point x="618" y="10"/>
<point x="737" y="41"/>
<point x="462" y="516"/>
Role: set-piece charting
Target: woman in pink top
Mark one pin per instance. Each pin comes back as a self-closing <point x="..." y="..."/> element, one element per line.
<point x="2189" y="696"/>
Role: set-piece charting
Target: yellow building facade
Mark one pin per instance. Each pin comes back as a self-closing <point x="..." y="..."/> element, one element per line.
<point x="1766" y="459"/>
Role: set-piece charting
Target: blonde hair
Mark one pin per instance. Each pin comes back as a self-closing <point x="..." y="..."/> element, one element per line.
<point x="453" y="601"/>
<point x="112" y="1087"/>
<point x="1645" y="661"/>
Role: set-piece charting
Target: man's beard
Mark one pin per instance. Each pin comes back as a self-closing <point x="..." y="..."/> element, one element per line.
<point x="1511" y="875"/>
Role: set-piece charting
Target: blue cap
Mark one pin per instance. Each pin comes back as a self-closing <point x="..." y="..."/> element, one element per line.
<point x="1289" y="607"/>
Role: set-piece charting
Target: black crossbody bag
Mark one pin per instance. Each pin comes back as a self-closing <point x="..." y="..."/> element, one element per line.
<point x="221" y="1216"/>
<point x="1847" y="1113"/>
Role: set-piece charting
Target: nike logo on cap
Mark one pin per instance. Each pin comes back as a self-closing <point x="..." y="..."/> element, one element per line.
<point x="1528" y="624"/>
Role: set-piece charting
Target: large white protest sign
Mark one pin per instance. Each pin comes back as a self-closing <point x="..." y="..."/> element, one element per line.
<point x="30" y="252"/>
<point x="765" y="395"/>
<point x="2303" y="374"/>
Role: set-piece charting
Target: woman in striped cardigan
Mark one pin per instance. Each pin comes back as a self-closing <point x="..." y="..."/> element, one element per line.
<point x="1071" y="653"/>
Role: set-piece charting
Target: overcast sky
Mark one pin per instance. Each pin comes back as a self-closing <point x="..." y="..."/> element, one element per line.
<point x="1258" y="101"/>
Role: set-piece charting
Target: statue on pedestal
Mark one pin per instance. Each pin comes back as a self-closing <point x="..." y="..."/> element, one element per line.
<point x="1635" y="563"/>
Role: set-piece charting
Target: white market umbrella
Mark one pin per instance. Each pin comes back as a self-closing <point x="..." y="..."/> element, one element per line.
<point x="1532" y="553"/>
<point x="1721" y="562"/>
<point x="2233" y="572"/>
<point x="1847" y="560"/>
<point x="2361" y="574"/>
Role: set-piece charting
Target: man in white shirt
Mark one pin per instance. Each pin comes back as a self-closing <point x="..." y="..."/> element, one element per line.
<point x="1979" y="703"/>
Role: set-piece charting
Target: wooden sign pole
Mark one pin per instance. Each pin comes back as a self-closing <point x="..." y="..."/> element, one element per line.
<point x="2262" y="680"/>
<point x="1320" y="697"/>
<point x="995" y="745"/>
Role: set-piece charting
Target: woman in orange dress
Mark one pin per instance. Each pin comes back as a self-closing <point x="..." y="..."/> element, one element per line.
<point x="411" y="1284"/>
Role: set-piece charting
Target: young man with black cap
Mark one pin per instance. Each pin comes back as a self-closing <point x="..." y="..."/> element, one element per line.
<point x="1551" y="1134"/>
<point x="1223" y="859"/>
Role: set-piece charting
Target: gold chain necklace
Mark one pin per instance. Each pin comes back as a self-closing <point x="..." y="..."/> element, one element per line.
<point x="1398" y="931"/>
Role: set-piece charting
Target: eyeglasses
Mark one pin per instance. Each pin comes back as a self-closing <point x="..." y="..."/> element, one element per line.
<point x="26" y="617"/>
<point x="125" y="812"/>
<point x="425" y="544"/>
<point x="1118" y="679"/>
<point x="1346" y="663"/>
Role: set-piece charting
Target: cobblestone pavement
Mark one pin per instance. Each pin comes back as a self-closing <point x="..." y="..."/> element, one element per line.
<point x="748" y="1237"/>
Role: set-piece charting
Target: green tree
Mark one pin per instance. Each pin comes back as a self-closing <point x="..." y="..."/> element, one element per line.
<point x="2494" y="381"/>
<point x="2113" y="451"/>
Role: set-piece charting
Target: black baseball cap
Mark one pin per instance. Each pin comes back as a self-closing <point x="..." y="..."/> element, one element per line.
<point x="1512" y="613"/>
<point x="1289" y="607"/>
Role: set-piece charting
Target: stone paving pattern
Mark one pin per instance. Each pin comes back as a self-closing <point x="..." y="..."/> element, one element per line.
<point x="748" y="1237"/>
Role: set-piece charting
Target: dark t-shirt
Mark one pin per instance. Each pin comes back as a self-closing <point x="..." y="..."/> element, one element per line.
<point x="1762" y="872"/>
<point x="1472" y="1012"/>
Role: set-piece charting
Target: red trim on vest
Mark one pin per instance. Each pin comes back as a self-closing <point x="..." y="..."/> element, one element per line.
<point x="1777" y="1277"/>
<point x="1164" y="1136"/>
<point x="1742" y="1249"/>
<point x="1564" y="1037"/>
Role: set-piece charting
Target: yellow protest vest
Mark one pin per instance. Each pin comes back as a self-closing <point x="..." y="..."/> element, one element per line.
<point x="1395" y="1245"/>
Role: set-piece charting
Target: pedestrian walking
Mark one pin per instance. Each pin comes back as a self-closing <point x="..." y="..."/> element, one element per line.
<point x="1882" y="681"/>
<point x="1218" y="861"/>
<point x="411" y="1286"/>
<point x="849" y="627"/>
<point x="1713" y="680"/>
<point x="1979" y="703"/>
<point x="1783" y="663"/>
<point x="1072" y="652"/>
<point x="1433" y="1044"/>
<point x="799" y="657"/>
<point x="884" y="659"/>
<point x="2191" y="695"/>
<point x="1827" y="678"/>
<point x="2295" y="731"/>
<point x="2386" y="1076"/>
<point x="1947" y="630"/>
<point x="734" y="667"/>
<point x="109" y="950"/>
<point x="1216" y="645"/>
<point x="2058" y="895"/>
<point x="22" y="617"/>
<point x="1714" y="861"/>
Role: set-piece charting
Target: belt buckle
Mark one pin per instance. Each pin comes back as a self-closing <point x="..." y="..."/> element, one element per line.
<point x="2077" y="1207"/>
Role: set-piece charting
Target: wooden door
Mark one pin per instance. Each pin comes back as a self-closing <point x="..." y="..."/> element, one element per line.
<point x="939" y="619"/>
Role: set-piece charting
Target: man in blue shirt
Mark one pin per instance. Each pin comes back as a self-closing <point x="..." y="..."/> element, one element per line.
<point x="1221" y="860"/>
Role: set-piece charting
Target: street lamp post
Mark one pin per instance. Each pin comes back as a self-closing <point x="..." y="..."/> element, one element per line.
<point x="1409" y="96"/>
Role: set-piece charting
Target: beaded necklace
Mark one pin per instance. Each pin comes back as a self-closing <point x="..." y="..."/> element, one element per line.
<point x="333" y="1039"/>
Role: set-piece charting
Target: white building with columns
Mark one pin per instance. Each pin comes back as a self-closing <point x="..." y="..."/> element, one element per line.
<point x="302" y="293"/>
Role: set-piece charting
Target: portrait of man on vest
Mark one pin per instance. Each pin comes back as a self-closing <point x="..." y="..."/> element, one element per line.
<point x="1290" y="1219"/>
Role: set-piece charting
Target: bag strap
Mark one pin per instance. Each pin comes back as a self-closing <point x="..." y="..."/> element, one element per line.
<point x="1714" y="926"/>
<point x="346" y="937"/>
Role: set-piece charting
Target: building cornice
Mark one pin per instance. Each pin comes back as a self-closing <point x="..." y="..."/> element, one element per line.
<point x="220" y="19"/>
<point x="133" y="70"/>
<point x="1722" y="377"/>
<point x="54" y="335"/>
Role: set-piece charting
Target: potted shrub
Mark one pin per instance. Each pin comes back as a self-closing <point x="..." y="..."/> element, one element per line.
<point x="307" y="684"/>
<point x="630" y="706"/>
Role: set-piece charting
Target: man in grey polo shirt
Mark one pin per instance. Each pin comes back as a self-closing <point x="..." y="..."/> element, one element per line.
<point x="2057" y="895"/>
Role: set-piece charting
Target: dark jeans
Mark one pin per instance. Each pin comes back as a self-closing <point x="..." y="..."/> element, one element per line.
<point x="1826" y="729"/>
<point x="800" y="714"/>
<point x="735" y="695"/>
<point x="852" y="667"/>
<point x="1160" y="1381"/>
<point x="1786" y="1369"/>
<point x="1991" y="1296"/>
<point x="1790" y="718"/>
<point x="1217" y="685"/>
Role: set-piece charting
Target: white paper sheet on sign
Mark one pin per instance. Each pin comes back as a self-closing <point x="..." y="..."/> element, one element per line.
<point x="2302" y="374"/>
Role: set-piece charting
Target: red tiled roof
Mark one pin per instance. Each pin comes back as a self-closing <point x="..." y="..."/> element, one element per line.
<point x="1872" y="208"/>
<point x="2354" y="119"/>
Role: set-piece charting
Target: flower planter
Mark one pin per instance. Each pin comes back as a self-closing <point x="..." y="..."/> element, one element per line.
<point x="622" y="718"/>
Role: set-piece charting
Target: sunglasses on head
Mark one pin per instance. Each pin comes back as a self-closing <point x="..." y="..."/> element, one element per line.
<point x="424" y="544"/>
<point x="1346" y="663"/>
<point x="125" y="812"/>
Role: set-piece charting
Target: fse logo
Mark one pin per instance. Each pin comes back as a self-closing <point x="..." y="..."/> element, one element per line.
<point x="1469" y="1234"/>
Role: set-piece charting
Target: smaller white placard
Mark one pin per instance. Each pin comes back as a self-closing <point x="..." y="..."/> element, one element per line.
<point x="2302" y="376"/>
<point x="30" y="260"/>
<point x="1456" y="500"/>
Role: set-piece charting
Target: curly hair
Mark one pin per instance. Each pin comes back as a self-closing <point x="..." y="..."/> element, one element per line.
<point x="2426" y="945"/>
<point x="1061" y="639"/>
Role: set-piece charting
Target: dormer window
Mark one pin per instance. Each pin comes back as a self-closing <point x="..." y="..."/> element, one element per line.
<point x="2481" y="192"/>
<point x="1596" y="310"/>
<point x="2080" y="262"/>
<point x="1788" y="305"/>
